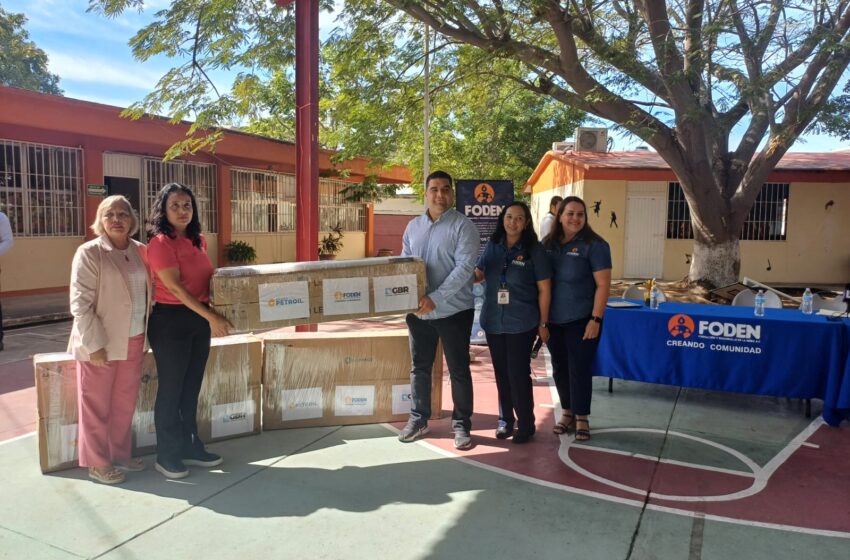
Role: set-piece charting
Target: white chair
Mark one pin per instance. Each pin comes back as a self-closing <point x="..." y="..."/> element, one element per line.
<point x="834" y="304"/>
<point x="746" y="298"/>
<point x="636" y="291"/>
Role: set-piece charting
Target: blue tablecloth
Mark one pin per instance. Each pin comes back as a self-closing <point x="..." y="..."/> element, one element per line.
<point x="725" y="348"/>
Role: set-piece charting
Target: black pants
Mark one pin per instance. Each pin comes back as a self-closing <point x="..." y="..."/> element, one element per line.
<point x="454" y="332"/>
<point x="180" y="339"/>
<point x="574" y="358"/>
<point x="511" y="354"/>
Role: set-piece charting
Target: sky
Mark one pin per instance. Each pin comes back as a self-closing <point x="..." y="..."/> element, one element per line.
<point x="90" y="54"/>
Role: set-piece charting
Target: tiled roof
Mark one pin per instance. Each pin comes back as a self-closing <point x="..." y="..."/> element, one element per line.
<point x="792" y="161"/>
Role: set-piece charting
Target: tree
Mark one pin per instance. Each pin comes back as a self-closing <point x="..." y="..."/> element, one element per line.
<point x="484" y="123"/>
<point x="22" y="63"/>
<point x="681" y="75"/>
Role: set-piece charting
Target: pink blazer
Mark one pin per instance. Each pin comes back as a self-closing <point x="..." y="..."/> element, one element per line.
<point x="100" y="301"/>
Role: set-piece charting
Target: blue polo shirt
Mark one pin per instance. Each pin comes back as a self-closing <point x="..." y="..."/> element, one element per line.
<point x="525" y="267"/>
<point x="573" y="286"/>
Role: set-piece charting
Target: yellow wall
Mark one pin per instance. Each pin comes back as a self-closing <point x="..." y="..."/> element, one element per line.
<point x="35" y="263"/>
<point x="280" y="247"/>
<point x="816" y="251"/>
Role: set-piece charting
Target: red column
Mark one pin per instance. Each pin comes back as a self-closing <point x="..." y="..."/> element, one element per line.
<point x="225" y="221"/>
<point x="370" y="230"/>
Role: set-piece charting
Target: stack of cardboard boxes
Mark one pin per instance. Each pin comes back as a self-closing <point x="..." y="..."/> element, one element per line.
<point x="263" y="297"/>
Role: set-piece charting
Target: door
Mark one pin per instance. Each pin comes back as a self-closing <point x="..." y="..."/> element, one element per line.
<point x="646" y="214"/>
<point x="128" y="188"/>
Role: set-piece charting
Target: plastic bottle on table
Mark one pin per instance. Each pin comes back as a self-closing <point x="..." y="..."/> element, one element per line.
<point x="654" y="296"/>
<point x="808" y="300"/>
<point x="758" y="309"/>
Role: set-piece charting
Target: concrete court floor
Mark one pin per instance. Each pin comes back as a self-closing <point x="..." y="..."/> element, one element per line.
<point x="355" y="492"/>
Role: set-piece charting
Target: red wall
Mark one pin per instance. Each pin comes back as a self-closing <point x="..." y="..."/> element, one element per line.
<point x="389" y="229"/>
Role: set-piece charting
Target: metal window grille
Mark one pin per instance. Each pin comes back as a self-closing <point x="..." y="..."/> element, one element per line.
<point x="264" y="201"/>
<point x="766" y="221"/>
<point x="200" y="177"/>
<point x="41" y="189"/>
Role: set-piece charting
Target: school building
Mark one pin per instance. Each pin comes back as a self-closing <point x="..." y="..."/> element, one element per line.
<point x="60" y="156"/>
<point x="797" y="232"/>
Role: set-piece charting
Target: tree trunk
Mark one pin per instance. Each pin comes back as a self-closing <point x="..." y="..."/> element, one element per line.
<point x="715" y="264"/>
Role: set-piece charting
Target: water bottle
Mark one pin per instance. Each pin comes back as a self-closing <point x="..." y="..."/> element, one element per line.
<point x="808" y="299"/>
<point x="654" y="297"/>
<point x="759" y="304"/>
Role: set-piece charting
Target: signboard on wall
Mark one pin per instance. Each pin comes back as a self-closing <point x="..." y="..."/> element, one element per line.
<point x="482" y="201"/>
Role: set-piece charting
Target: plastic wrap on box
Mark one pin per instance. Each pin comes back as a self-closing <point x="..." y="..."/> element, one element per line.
<point x="229" y="403"/>
<point x="262" y="297"/>
<point x="330" y="379"/>
<point x="56" y="390"/>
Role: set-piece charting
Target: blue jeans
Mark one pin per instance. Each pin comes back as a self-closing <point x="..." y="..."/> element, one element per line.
<point x="454" y="332"/>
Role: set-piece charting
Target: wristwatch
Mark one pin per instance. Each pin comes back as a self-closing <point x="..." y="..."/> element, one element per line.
<point x="544" y="325"/>
<point x="596" y="318"/>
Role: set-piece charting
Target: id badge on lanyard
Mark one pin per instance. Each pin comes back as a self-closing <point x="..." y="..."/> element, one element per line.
<point x="503" y="296"/>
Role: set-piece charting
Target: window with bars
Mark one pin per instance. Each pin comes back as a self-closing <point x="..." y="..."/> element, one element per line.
<point x="766" y="221"/>
<point x="41" y="189"/>
<point x="200" y="177"/>
<point x="264" y="202"/>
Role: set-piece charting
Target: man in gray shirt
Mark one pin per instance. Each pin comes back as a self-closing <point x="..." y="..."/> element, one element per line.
<point x="448" y="242"/>
<point x="6" y="242"/>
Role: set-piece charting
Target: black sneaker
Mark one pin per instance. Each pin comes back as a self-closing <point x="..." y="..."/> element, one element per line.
<point x="200" y="457"/>
<point x="171" y="468"/>
<point x="412" y="431"/>
<point x="504" y="432"/>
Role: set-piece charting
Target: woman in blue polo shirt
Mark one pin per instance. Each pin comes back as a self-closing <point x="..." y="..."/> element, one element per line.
<point x="516" y="308"/>
<point x="581" y="284"/>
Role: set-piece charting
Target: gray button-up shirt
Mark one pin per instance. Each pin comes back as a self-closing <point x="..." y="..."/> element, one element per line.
<point x="449" y="248"/>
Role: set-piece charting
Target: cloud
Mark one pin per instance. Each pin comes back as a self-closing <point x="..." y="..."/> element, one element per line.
<point x="102" y="71"/>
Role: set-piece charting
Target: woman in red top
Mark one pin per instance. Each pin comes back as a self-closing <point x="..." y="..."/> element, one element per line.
<point x="180" y="327"/>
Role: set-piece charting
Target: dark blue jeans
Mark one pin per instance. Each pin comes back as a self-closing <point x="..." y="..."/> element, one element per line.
<point x="453" y="332"/>
<point x="180" y="339"/>
<point x="511" y="354"/>
<point x="574" y="357"/>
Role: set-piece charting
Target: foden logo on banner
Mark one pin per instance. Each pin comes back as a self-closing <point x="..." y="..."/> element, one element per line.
<point x="680" y="325"/>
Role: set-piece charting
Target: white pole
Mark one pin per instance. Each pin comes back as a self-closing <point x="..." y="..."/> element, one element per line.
<point x="426" y="127"/>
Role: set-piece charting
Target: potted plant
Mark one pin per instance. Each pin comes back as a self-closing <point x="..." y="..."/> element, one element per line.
<point x="331" y="244"/>
<point x="239" y="253"/>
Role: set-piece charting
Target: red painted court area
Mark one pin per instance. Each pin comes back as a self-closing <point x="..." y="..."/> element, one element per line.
<point x="804" y="488"/>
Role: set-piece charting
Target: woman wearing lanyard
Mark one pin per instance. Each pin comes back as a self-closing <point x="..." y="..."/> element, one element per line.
<point x="516" y="308"/>
<point x="110" y="299"/>
<point x="180" y="328"/>
<point x="581" y="266"/>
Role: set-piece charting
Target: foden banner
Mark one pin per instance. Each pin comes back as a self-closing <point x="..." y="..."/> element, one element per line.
<point x="482" y="201"/>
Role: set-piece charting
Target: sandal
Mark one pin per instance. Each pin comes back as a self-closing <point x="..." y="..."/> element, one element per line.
<point x="563" y="425"/>
<point x="582" y="434"/>
<point x="106" y="475"/>
<point x="133" y="465"/>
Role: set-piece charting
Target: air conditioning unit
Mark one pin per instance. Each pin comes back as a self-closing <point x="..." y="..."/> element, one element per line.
<point x="591" y="139"/>
<point x="563" y="146"/>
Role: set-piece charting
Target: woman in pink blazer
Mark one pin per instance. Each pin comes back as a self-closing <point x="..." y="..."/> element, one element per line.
<point x="110" y="302"/>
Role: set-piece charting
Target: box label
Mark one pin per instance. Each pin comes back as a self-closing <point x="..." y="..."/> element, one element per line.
<point x="68" y="443"/>
<point x="145" y="429"/>
<point x="395" y="293"/>
<point x="345" y="296"/>
<point x="283" y="301"/>
<point x="301" y="404"/>
<point x="354" y="400"/>
<point x="231" y="419"/>
<point x="402" y="399"/>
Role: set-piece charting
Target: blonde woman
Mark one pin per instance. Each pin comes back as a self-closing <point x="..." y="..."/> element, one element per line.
<point x="110" y="300"/>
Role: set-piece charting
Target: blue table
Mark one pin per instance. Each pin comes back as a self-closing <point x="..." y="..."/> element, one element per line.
<point x="725" y="348"/>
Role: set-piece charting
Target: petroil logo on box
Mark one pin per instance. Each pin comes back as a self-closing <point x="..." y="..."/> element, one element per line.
<point x="301" y="404"/>
<point x="285" y="301"/>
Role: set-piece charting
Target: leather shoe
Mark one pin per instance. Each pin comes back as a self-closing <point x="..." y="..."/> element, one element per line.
<point x="521" y="437"/>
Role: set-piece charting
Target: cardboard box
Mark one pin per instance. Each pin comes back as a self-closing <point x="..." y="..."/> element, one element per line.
<point x="262" y="297"/>
<point x="229" y="403"/>
<point x="330" y="379"/>
<point x="56" y="392"/>
<point x="228" y="406"/>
